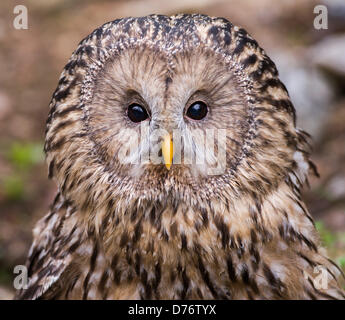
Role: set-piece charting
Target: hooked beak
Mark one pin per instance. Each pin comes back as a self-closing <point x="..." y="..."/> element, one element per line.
<point x="167" y="150"/>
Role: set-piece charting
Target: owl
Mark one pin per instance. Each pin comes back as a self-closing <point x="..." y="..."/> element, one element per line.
<point x="179" y="170"/>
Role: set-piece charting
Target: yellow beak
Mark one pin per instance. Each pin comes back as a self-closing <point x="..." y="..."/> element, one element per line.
<point x="167" y="150"/>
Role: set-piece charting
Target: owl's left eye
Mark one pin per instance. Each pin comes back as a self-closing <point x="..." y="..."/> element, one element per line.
<point x="137" y="113"/>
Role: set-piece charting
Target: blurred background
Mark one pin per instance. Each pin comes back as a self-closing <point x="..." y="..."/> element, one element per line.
<point x="311" y="64"/>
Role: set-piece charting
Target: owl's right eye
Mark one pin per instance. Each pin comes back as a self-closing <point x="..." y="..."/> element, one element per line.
<point x="137" y="113"/>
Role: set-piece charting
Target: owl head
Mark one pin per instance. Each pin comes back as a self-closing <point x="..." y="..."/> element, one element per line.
<point x="187" y="108"/>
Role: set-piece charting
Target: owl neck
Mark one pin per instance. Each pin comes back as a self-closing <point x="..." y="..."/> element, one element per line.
<point x="176" y="232"/>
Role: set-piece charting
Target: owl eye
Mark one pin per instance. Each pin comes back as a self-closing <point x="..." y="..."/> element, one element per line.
<point x="137" y="113"/>
<point x="197" y="111"/>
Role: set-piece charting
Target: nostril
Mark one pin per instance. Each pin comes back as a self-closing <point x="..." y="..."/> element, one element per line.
<point x="160" y="153"/>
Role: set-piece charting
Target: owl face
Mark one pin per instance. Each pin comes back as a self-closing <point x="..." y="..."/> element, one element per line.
<point x="140" y="104"/>
<point x="186" y="106"/>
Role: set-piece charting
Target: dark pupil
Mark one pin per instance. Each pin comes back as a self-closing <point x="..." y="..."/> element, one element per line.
<point x="137" y="113"/>
<point x="197" y="110"/>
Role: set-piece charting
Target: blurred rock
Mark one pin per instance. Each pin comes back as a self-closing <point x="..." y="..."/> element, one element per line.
<point x="6" y="294"/>
<point x="308" y="88"/>
<point x="5" y="104"/>
<point x="335" y="219"/>
<point x="21" y="126"/>
<point x="2" y="29"/>
<point x="336" y="187"/>
<point x="329" y="54"/>
<point x="336" y="13"/>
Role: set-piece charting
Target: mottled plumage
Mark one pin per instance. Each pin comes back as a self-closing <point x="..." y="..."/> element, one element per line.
<point x="139" y="231"/>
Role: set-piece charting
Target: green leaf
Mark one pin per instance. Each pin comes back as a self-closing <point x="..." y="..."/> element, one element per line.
<point x="341" y="262"/>
<point x="13" y="187"/>
<point x="327" y="237"/>
<point x="24" y="155"/>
